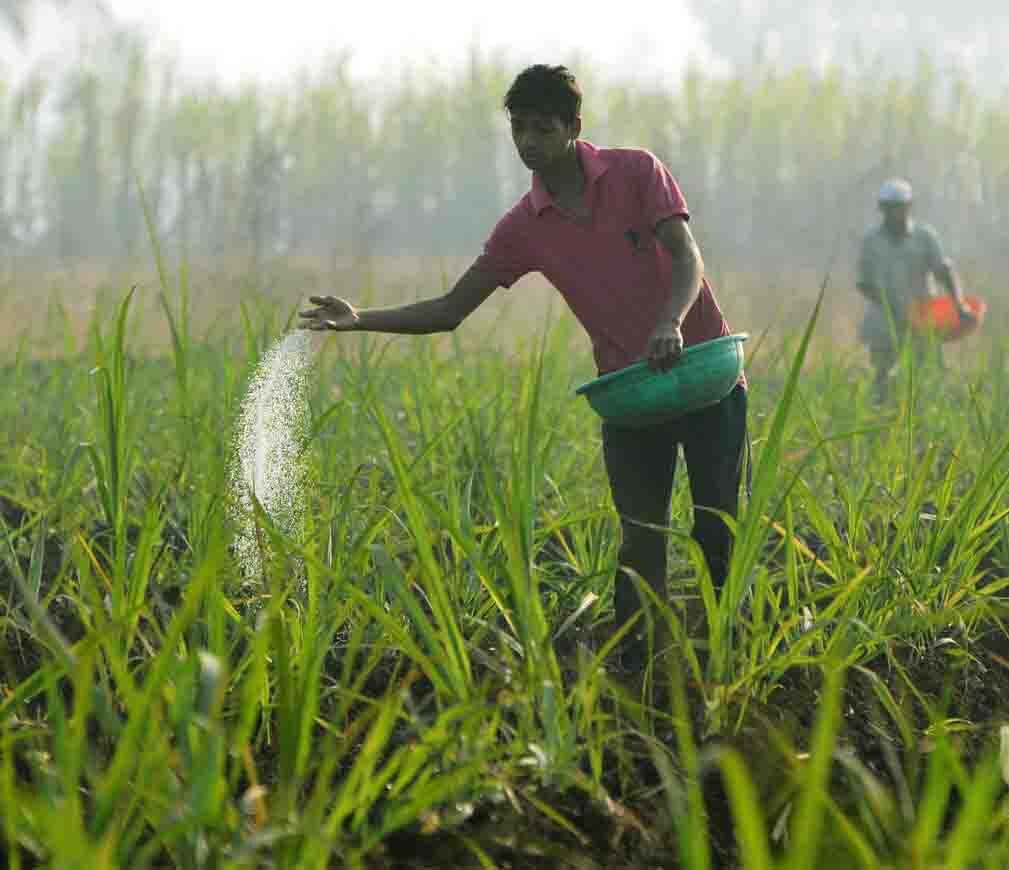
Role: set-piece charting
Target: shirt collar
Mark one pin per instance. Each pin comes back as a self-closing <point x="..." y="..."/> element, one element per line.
<point x="594" y="165"/>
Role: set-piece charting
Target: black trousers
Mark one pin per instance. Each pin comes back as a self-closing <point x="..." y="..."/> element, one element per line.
<point x="641" y="463"/>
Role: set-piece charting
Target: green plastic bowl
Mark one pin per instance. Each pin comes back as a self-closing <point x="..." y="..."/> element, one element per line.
<point x="639" y="396"/>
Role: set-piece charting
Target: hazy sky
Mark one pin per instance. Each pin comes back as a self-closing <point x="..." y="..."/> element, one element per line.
<point x="236" y="39"/>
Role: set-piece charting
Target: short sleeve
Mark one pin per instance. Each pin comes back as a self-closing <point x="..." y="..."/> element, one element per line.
<point x="661" y="196"/>
<point x="936" y="257"/>
<point x="866" y="270"/>
<point x="506" y="256"/>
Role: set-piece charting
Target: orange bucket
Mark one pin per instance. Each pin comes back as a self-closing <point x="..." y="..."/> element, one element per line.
<point x="938" y="314"/>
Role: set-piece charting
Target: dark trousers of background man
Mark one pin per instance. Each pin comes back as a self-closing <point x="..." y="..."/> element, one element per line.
<point x="885" y="354"/>
<point x="641" y="465"/>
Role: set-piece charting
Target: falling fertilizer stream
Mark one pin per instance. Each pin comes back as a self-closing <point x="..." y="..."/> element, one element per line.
<point x="267" y="459"/>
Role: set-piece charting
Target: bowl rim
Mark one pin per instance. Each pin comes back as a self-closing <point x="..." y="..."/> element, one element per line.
<point x="739" y="337"/>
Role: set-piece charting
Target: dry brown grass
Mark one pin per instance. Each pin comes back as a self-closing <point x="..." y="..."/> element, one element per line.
<point x="31" y="300"/>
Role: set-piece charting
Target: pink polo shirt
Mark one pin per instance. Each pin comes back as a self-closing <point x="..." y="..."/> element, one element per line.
<point x="613" y="272"/>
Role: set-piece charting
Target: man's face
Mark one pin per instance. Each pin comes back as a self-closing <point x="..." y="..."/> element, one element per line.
<point x="896" y="216"/>
<point x="541" y="139"/>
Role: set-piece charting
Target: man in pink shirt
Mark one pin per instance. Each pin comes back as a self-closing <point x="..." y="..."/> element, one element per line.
<point x="608" y="227"/>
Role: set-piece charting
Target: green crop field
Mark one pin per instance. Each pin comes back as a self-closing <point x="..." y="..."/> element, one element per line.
<point x="420" y="677"/>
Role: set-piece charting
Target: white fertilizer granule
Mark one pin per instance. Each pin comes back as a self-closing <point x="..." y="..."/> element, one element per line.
<point x="269" y="439"/>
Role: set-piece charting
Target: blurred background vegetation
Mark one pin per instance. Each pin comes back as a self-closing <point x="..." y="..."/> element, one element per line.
<point x="779" y="154"/>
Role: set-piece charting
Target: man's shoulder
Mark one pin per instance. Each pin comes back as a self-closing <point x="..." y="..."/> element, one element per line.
<point x="873" y="233"/>
<point x="515" y="227"/>
<point x="871" y="238"/>
<point x="925" y="231"/>
<point x="626" y="152"/>
<point x="520" y="212"/>
<point x="631" y="157"/>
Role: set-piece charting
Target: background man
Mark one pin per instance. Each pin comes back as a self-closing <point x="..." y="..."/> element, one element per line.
<point x="895" y="267"/>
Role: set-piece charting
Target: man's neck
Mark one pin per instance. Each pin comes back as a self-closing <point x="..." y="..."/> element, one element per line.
<point x="900" y="231"/>
<point x="565" y="177"/>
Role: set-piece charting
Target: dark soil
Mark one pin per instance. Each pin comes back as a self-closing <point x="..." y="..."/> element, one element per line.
<point x="967" y="680"/>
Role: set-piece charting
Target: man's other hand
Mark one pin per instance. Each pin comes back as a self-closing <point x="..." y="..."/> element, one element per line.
<point x="967" y="315"/>
<point x="665" y="346"/>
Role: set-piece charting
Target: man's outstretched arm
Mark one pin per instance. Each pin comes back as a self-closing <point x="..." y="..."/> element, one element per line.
<point x="441" y="314"/>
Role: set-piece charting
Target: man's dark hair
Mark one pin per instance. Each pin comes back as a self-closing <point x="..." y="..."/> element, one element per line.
<point x="549" y="90"/>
